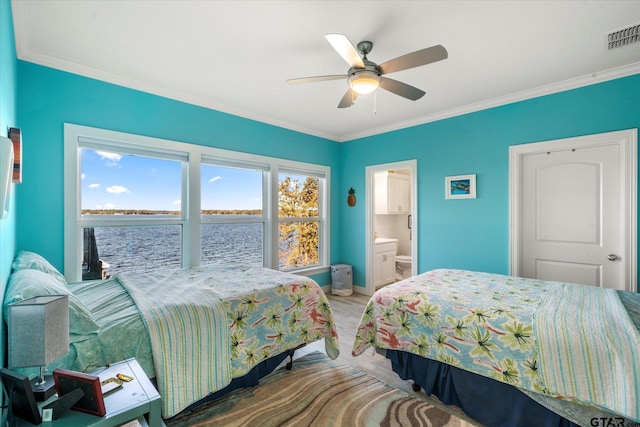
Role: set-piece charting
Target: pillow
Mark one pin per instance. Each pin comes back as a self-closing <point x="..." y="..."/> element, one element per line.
<point x="31" y="261"/>
<point x="25" y="284"/>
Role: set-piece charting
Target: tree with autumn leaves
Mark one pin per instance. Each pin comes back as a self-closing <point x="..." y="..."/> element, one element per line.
<point x="298" y="245"/>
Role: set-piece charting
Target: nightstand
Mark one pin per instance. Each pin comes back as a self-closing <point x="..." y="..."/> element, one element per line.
<point x="135" y="400"/>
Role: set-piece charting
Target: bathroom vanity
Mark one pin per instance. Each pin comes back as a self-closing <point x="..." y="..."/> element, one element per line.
<point x="384" y="261"/>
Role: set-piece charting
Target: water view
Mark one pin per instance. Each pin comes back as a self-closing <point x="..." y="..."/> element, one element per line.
<point x="144" y="249"/>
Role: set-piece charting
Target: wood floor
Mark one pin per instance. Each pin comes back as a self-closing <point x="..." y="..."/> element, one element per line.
<point x="347" y="311"/>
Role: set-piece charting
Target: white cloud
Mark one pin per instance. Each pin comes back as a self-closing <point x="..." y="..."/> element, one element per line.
<point x="94" y="185"/>
<point x="109" y="156"/>
<point x="117" y="189"/>
<point x="110" y="159"/>
<point x="82" y="176"/>
<point x="176" y="202"/>
<point x="214" y="179"/>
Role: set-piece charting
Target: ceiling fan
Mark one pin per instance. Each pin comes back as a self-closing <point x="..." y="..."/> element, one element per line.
<point x="365" y="76"/>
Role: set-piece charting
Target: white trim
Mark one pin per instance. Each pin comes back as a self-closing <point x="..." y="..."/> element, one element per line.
<point x="322" y="219"/>
<point x="193" y="155"/>
<point x="24" y="52"/>
<point x="370" y="172"/>
<point x="192" y="236"/>
<point x="578" y="82"/>
<point x="628" y="142"/>
<point x="524" y="95"/>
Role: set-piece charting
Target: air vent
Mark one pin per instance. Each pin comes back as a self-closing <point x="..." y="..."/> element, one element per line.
<point x="623" y="37"/>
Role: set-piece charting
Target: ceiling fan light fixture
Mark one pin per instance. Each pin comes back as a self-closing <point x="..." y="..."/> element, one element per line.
<point x="364" y="82"/>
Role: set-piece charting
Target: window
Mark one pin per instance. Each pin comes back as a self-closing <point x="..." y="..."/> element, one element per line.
<point x="232" y="214"/>
<point x="299" y="220"/>
<point x="118" y="191"/>
<point x="140" y="204"/>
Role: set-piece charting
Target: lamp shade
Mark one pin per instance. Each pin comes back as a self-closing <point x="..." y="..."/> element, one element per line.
<point x="38" y="330"/>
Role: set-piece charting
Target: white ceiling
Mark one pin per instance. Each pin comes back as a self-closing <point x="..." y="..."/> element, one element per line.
<point x="235" y="56"/>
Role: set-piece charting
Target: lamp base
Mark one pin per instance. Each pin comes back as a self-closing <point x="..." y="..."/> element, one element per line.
<point x="45" y="390"/>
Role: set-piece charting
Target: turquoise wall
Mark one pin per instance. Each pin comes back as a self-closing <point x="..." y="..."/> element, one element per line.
<point x="8" y="90"/>
<point x="474" y="233"/>
<point x="470" y="234"/>
<point x="49" y="98"/>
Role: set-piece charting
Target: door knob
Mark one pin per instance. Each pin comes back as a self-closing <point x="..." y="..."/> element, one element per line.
<point x="612" y="257"/>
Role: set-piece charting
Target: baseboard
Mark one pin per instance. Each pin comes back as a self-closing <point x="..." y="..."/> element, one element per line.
<point x="356" y="290"/>
<point x="360" y="290"/>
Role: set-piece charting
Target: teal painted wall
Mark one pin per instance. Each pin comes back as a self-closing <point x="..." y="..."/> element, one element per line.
<point x="474" y="233"/>
<point x="8" y="90"/>
<point x="470" y="234"/>
<point x="49" y="98"/>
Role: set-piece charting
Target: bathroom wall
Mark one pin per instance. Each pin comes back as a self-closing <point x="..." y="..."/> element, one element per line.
<point x="395" y="226"/>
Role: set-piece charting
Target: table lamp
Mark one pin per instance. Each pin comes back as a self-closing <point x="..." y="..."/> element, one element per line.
<point x="38" y="335"/>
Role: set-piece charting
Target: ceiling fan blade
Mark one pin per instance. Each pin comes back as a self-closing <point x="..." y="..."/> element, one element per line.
<point x="402" y="89"/>
<point x="415" y="59"/>
<point x="348" y="99"/>
<point x="345" y="49"/>
<point x="317" y="78"/>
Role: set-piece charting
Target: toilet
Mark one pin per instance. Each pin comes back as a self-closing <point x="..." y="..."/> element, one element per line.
<point x="403" y="266"/>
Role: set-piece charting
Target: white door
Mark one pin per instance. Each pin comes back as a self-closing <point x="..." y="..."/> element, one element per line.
<point x="574" y="213"/>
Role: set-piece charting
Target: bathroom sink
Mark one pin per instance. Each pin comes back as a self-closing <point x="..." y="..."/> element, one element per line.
<point x="382" y="240"/>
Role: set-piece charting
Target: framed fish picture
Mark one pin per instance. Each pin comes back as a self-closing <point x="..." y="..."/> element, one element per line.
<point x="460" y="187"/>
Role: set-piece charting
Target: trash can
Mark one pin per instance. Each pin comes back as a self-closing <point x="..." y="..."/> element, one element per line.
<point x="341" y="280"/>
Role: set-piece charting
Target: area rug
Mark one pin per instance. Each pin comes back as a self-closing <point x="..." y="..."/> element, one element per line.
<point x="317" y="392"/>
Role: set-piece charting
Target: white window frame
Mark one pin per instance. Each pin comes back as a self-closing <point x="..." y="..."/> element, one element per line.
<point x="233" y="219"/>
<point x="322" y="191"/>
<point x="77" y="137"/>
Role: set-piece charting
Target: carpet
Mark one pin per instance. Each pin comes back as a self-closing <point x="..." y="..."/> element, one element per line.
<point x="317" y="392"/>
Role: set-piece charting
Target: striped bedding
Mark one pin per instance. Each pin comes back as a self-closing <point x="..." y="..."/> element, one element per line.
<point x="189" y="333"/>
<point x="515" y="330"/>
<point x="589" y="348"/>
<point x="210" y="324"/>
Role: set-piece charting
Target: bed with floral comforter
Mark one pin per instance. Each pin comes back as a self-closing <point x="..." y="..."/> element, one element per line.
<point x="181" y="323"/>
<point x="567" y="341"/>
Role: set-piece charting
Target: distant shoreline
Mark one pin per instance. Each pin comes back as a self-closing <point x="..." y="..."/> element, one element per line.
<point x="166" y="212"/>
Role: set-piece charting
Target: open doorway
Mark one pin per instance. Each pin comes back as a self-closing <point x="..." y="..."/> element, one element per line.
<point x="391" y="225"/>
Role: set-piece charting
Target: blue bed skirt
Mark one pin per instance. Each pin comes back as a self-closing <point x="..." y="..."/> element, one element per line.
<point x="490" y="402"/>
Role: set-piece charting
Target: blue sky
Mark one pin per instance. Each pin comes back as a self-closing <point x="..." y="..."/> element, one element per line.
<point x="115" y="181"/>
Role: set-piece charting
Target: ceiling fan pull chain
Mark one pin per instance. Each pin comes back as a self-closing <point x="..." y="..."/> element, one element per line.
<point x="375" y="104"/>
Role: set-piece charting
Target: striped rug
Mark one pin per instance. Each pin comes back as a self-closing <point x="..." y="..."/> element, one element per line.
<point x="317" y="392"/>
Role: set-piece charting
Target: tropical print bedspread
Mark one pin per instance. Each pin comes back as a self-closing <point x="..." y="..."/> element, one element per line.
<point x="474" y="321"/>
<point x="265" y="312"/>
<point x="479" y="322"/>
<point x="271" y="311"/>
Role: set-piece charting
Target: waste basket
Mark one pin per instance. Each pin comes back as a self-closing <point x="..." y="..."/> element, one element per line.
<point x="341" y="280"/>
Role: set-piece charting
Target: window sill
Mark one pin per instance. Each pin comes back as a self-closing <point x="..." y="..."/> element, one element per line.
<point x="310" y="271"/>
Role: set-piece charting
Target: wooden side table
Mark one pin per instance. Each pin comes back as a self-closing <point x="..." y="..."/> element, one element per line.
<point x="135" y="400"/>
